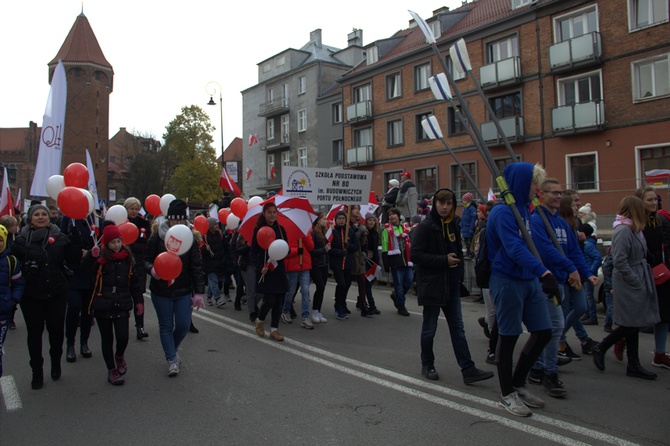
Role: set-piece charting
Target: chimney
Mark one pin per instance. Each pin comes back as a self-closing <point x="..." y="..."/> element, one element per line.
<point x="355" y="37"/>
<point x="315" y="36"/>
<point x="442" y="9"/>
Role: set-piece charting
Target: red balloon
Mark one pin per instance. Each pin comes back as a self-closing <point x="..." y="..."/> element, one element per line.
<point x="73" y="202"/>
<point x="238" y="207"/>
<point x="153" y="204"/>
<point x="76" y="175"/>
<point x="223" y="215"/>
<point x="201" y="224"/>
<point x="265" y="236"/>
<point x="129" y="233"/>
<point x="167" y="265"/>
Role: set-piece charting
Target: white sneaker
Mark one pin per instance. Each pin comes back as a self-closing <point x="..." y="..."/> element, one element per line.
<point x="228" y="299"/>
<point x="528" y="398"/>
<point x="220" y="302"/>
<point x="322" y="319"/>
<point x="315" y="316"/>
<point x="306" y="323"/>
<point x="513" y="404"/>
<point x="286" y="318"/>
<point x="173" y="368"/>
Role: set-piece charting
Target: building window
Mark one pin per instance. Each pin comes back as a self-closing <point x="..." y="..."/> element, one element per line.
<point x="420" y="133"/>
<point x="112" y="159"/>
<point x="651" y="78"/>
<point x="302" y="157"/>
<point x="270" y="129"/>
<point x="337" y="113"/>
<point x="266" y="67"/>
<point x="285" y="128"/>
<point x="394" y="132"/>
<point x="582" y="171"/>
<point x="421" y="75"/>
<point x="302" y="120"/>
<point x="459" y="182"/>
<point x="363" y="137"/>
<point x="271" y="164"/>
<point x="426" y="182"/>
<point x="338" y="149"/>
<point x="576" y="24"/>
<point x="284" y="89"/>
<point x="455" y="124"/>
<point x="270" y="95"/>
<point x="372" y="54"/>
<point x="286" y="158"/>
<point x="519" y="3"/>
<point x="502" y="49"/>
<point x="643" y="13"/>
<point x="281" y="60"/>
<point x="393" y="86"/>
<point x="507" y="105"/>
<point x="501" y="163"/>
<point x="455" y="74"/>
<point x="655" y="157"/>
<point x="436" y="28"/>
<point x="362" y="93"/>
<point x="580" y="89"/>
<point x="302" y="84"/>
<point x="391" y="175"/>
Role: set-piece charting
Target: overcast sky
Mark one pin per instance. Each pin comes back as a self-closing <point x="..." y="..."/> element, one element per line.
<point x="164" y="53"/>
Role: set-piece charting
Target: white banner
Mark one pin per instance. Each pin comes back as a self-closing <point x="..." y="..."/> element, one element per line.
<point x="231" y="168"/>
<point x="92" y="187"/>
<point x="51" y="138"/>
<point x="326" y="186"/>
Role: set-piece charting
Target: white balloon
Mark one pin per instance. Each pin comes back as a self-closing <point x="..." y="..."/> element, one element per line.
<point x="118" y="214"/>
<point x="232" y="222"/>
<point x="91" y="200"/>
<point x="278" y="250"/>
<point x="179" y="239"/>
<point x="55" y="184"/>
<point x="165" y="202"/>
<point x="253" y="201"/>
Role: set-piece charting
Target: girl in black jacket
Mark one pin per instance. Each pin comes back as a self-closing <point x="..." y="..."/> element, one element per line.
<point x="319" y="271"/>
<point x="116" y="292"/>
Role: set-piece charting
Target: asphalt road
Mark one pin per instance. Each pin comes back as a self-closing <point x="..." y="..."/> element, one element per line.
<point x="353" y="382"/>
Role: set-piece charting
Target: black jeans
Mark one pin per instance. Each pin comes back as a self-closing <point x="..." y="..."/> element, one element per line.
<point x="319" y="275"/>
<point x="108" y="328"/>
<point x="343" y="280"/>
<point x="37" y="314"/>
<point x="78" y="315"/>
<point x="632" y="340"/>
<point x="272" y="302"/>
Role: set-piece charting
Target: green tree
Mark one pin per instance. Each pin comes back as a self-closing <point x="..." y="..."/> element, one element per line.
<point x="188" y="160"/>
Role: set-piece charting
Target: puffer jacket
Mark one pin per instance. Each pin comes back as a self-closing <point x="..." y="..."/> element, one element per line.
<point x="341" y="255"/>
<point x="300" y="258"/>
<point x="11" y="283"/>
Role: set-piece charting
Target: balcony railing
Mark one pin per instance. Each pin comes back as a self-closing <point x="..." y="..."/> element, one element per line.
<point x="587" y="116"/>
<point x="360" y="156"/>
<point x="274" y="107"/>
<point x="503" y="72"/>
<point x="359" y="111"/>
<point x="576" y="52"/>
<point x="271" y="183"/>
<point x="512" y="127"/>
<point x="277" y="142"/>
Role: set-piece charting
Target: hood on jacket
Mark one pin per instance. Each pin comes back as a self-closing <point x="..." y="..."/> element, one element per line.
<point x="3" y="236"/>
<point x="519" y="177"/>
<point x="433" y="210"/>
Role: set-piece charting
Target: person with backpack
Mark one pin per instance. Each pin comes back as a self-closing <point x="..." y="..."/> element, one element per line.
<point x="11" y="287"/>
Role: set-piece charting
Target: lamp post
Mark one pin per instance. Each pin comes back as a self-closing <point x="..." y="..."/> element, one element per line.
<point x="212" y="88"/>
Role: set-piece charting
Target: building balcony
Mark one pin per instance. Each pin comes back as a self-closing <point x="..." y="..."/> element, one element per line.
<point x="271" y="183"/>
<point x="278" y="106"/>
<point x="277" y="142"/>
<point x="578" y="118"/>
<point x="502" y="73"/>
<point x="577" y="52"/>
<point x="360" y="156"/>
<point x="512" y="127"/>
<point x="360" y="111"/>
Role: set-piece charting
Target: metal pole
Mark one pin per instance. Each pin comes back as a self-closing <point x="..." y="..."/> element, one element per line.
<point x="223" y="163"/>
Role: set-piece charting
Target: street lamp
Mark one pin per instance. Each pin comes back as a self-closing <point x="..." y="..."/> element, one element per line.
<point x="212" y="88"/>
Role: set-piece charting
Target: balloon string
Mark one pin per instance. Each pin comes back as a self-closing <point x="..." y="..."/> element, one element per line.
<point x="95" y="239"/>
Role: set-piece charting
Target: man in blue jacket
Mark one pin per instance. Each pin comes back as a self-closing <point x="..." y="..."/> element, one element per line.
<point x="568" y="266"/>
<point x="516" y="290"/>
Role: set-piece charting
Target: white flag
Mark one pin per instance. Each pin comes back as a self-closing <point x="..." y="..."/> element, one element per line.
<point x="51" y="138"/>
<point x="491" y="196"/>
<point x="91" y="180"/>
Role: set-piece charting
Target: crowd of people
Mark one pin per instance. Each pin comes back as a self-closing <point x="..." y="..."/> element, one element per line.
<point x="68" y="273"/>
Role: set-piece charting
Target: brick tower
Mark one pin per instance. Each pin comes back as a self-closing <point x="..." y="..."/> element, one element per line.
<point x="89" y="83"/>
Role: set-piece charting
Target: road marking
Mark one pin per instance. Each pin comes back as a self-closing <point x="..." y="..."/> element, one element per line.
<point x="245" y="330"/>
<point x="10" y="393"/>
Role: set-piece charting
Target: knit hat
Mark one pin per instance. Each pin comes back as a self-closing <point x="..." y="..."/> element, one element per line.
<point x="394" y="183"/>
<point x="3" y="237"/>
<point x="406" y="174"/>
<point x="586" y="209"/>
<point x="467" y="197"/>
<point x="177" y="210"/>
<point x="212" y="222"/>
<point x="482" y="208"/>
<point x="33" y="208"/>
<point x="340" y="213"/>
<point x="370" y="215"/>
<point x="109" y="233"/>
<point x="587" y="229"/>
<point x="423" y="204"/>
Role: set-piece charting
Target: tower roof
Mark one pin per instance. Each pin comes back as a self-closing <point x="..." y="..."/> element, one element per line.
<point x="81" y="46"/>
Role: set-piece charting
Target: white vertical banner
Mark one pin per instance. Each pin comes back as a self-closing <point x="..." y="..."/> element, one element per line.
<point x="231" y="168"/>
<point x="51" y="138"/>
<point x="91" y="180"/>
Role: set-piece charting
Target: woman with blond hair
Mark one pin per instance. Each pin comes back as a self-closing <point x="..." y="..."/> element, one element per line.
<point x="635" y="302"/>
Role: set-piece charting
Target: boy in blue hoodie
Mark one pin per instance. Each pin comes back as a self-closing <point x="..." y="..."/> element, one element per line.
<point x="11" y="287"/>
<point x="517" y="293"/>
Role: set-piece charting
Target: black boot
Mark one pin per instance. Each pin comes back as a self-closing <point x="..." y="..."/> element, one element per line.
<point x="85" y="351"/>
<point x="70" y="355"/>
<point x="636" y="370"/>
<point x="141" y="334"/>
<point x="365" y="311"/>
<point x="55" y="370"/>
<point x="193" y="328"/>
<point x="38" y="379"/>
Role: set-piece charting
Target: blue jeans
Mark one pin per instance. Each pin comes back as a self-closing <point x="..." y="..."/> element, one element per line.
<point x="548" y="360"/>
<point x="517" y="302"/>
<point x="213" y="280"/>
<point x="590" y="300"/>
<point x="295" y="278"/>
<point x="452" y="312"/>
<point x="174" y="320"/>
<point x="402" y="282"/>
<point x="574" y="307"/>
<point x="609" y="301"/>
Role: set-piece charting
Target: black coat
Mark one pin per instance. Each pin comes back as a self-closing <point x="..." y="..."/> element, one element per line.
<point x="341" y="254"/>
<point x="319" y="253"/>
<point x="213" y="253"/>
<point x="275" y="281"/>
